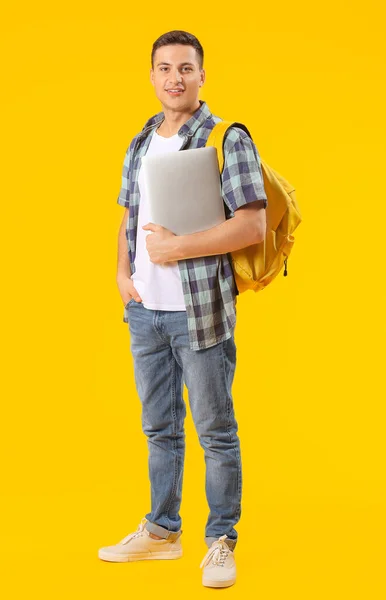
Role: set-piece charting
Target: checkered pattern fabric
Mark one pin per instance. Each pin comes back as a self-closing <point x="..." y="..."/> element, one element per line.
<point x="209" y="287"/>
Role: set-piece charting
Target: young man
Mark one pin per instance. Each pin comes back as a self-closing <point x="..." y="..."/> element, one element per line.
<point x="180" y="294"/>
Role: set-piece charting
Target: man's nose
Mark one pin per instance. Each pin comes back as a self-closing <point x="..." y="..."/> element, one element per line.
<point x="177" y="76"/>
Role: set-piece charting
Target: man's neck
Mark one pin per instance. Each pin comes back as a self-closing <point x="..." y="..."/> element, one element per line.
<point x="173" y="121"/>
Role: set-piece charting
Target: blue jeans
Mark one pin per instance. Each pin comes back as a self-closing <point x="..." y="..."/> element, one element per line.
<point x="163" y="362"/>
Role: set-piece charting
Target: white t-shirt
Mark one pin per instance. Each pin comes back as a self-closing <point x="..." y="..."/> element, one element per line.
<point x="159" y="285"/>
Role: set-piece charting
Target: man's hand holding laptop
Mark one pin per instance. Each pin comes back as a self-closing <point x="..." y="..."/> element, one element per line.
<point x="159" y="244"/>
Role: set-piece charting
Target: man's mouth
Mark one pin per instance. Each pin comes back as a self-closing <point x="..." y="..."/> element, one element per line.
<point x="175" y="92"/>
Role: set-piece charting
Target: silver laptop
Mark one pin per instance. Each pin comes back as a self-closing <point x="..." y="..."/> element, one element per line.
<point x="184" y="189"/>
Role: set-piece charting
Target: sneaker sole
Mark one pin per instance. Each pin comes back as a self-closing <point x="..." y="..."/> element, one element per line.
<point x="134" y="557"/>
<point x="214" y="583"/>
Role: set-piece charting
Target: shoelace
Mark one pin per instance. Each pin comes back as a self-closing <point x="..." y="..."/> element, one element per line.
<point x="136" y="533"/>
<point x="217" y="552"/>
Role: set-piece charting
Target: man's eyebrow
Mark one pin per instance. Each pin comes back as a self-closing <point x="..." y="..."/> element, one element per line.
<point x="181" y="65"/>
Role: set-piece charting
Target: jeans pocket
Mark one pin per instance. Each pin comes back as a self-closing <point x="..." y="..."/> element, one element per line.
<point x="129" y="303"/>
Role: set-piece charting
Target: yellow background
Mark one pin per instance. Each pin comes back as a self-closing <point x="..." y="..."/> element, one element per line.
<point x="309" y="387"/>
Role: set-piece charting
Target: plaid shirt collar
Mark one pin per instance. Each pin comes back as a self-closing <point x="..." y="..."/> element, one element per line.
<point x="187" y="129"/>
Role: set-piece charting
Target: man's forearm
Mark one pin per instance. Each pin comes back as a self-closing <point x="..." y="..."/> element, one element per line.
<point x="233" y="234"/>
<point x="123" y="267"/>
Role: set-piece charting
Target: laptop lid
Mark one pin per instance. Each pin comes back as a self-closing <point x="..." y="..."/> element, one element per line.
<point x="184" y="189"/>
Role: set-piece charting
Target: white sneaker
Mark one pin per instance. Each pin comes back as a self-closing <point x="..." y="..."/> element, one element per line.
<point x="140" y="546"/>
<point x="219" y="565"/>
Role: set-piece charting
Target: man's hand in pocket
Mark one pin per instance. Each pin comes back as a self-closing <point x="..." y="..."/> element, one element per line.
<point x="127" y="289"/>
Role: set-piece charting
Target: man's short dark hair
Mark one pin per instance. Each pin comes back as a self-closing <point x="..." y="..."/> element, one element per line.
<point x="179" y="37"/>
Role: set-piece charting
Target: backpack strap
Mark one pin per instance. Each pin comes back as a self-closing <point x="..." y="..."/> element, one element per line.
<point x="217" y="137"/>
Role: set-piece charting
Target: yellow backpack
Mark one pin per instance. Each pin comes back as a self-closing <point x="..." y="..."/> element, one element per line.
<point x="257" y="265"/>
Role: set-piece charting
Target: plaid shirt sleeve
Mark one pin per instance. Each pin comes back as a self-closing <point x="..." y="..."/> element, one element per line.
<point x="123" y="198"/>
<point x="241" y="178"/>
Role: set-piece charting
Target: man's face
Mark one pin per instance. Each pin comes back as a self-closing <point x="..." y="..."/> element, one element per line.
<point x="176" y="67"/>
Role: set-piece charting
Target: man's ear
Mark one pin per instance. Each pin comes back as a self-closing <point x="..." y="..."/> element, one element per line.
<point x="152" y="76"/>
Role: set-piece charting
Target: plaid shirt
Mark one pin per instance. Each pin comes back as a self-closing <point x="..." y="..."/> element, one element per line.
<point x="208" y="282"/>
